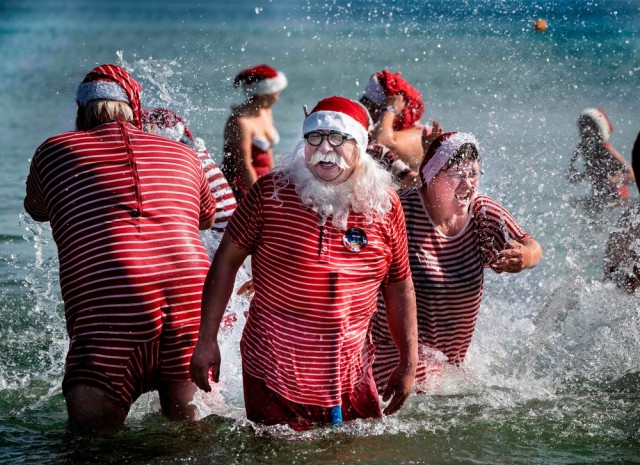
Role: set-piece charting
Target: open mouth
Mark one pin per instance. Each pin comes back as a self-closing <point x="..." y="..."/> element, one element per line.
<point x="326" y="164"/>
<point x="463" y="197"/>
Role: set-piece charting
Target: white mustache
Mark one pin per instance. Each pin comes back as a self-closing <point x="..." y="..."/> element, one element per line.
<point x="329" y="157"/>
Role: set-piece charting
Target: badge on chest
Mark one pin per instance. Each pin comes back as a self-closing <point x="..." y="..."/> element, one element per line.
<point x="354" y="239"/>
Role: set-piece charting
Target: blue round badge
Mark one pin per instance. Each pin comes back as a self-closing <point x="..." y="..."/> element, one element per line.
<point x="354" y="239"/>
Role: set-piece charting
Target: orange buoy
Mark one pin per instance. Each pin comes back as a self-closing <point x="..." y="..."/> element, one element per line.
<point x="540" y="25"/>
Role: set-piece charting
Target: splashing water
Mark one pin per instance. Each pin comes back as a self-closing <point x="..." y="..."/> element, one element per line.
<point x="552" y="372"/>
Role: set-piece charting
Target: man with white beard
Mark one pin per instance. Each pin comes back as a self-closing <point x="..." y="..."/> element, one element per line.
<point x="326" y="232"/>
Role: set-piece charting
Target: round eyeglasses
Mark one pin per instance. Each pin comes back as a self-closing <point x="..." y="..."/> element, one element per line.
<point x="335" y="139"/>
<point x="459" y="176"/>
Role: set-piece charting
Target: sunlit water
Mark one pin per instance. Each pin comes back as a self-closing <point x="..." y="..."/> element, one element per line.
<point x="552" y="373"/>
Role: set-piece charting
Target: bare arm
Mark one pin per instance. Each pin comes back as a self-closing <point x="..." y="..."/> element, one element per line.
<point x="217" y="291"/>
<point x="407" y="143"/>
<point x="400" y="302"/>
<point x="518" y="256"/>
<point x="207" y="224"/>
<point x="238" y="142"/>
<point x="573" y="174"/>
<point x="629" y="174"/>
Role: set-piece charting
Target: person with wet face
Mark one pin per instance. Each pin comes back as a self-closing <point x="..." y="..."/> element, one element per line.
<point x="250" y="134"/>
<point x="125" y="208"/>
<point x="454" y="233"/>
<point x="326" y="232"/>
<point x="606" y="170"/>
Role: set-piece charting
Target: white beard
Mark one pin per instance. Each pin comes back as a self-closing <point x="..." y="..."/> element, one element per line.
<point x="366" y="191"/>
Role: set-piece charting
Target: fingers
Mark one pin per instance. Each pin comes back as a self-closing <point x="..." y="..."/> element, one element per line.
<point x="398" y="389"/>
<point x="510" y="261"/>
<point x="200" y="377"/>
<point x="203" y="361"/>
<point x="436" y="129"/>
<point x="215" y="375"/>
<point x="396" y="402"/>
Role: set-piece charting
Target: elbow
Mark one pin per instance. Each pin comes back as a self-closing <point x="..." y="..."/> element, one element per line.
<point x="206" y="224"/>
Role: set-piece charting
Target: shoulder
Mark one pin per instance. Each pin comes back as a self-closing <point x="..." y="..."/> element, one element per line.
<point x="410" y="198"/>
<point x="410" y="194"/>
<point x="484" y="207"/>
<point x="61" y="141"/>
<point x="270" y="183"/>
<point x="484" y="201"/>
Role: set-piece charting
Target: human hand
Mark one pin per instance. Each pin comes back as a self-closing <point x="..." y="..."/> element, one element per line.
<point x="205" y="359"/>
<point x="396" y="101"/>
<point x="400" y="385"/>
<point x="514" y="258"/>
<point x="429" y="136"/>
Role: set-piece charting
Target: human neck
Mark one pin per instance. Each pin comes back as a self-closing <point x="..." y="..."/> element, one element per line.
<point x="250" y="107"/>
<point x="448" y="222"/>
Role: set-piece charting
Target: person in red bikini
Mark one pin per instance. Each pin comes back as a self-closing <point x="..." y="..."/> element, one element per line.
<point x="249" y="135"/>
<point x="606" y="170"/>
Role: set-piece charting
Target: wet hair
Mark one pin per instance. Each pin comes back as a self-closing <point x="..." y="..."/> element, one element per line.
<point x="465" y="151"/>
<point x="97" y="112"/>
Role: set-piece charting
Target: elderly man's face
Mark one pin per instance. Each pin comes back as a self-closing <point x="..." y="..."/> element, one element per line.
<point x="323" y="160"/>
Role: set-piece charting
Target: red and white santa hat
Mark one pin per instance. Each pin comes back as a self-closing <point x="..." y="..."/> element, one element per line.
<point x="342" y="115"/>
<point x="260" y="80"/>
<point x="167" y="124"/>
<point x="111" y="82"/>
<point x="601" y="120"/>
<point x="374" y="90"/>
<point x="441" y="151"/>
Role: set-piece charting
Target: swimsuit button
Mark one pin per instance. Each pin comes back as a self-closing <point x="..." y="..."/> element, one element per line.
<point x="324" y="249"/>
<point x="136" y="213"/>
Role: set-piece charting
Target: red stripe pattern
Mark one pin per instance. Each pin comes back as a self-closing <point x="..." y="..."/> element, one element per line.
<point x="124" y="208"/>
<point x="220" y="189"/>
<point x="307" y="332"/>
<point x="448" y="275"/>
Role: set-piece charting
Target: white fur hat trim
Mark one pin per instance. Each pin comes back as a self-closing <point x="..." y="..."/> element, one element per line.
<point x="100" y="90"/>
<point x="444" y="153"/>
<point x="266" y="86"/>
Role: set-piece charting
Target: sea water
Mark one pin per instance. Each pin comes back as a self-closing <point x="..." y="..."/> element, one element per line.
<point x="552" y="373"/>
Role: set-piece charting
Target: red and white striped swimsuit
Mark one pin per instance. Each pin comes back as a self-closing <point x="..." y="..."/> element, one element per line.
<point x="220" y="190"/>
<point x="124" y="208"/>
<point x="307" y="334"/>
<point x="448" y="275"/>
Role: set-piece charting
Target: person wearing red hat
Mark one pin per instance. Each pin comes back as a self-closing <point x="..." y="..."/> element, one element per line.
<point x="396" y="134"/>
<point x="326" y="232"/>
<point x="167" y="123"/>
<point x="125" y="207"/>
<point x="605" y="168"/>
<point x="622" y="256"/>
<point x="454" y="233"/>
<point x="249" y="134"/>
